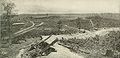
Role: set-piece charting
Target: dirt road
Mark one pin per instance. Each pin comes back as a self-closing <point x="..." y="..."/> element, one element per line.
<point x="28" y="29"/>
<point x="33" y="24"/>
<point x="62" y="52"/>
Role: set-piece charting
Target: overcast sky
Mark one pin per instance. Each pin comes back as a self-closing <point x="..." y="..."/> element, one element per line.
<point x="67" y="6"/>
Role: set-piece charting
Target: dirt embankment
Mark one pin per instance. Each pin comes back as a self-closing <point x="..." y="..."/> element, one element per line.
<point x="94" y="44"/>
<point x="62" y="52"/>
<point x="76" y="44"/>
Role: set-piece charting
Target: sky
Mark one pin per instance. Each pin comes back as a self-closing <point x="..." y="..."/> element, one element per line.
<point x="67" y="6"/>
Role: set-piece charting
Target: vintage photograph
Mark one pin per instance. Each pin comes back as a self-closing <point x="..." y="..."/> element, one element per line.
<point x="59" y="28"/>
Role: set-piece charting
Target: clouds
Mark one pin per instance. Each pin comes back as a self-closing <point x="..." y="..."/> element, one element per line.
<point x="66" y="6"/>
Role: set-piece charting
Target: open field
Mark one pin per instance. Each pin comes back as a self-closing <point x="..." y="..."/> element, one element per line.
<point x="51" y="20"/>
<point x="77" y="39"/>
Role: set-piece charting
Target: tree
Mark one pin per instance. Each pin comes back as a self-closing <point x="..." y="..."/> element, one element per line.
<point x="59" y="23"/>
<point x="78" y="23"/>
<point x="59" y="26"/>
<point x="8" y="7"/>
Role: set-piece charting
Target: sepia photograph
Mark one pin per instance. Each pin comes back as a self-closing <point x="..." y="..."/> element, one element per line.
<point x="59" y="28"/>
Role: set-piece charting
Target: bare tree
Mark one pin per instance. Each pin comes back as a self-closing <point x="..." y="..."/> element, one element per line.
<point x="59" y="23"/>
<point x="59" y="26"/>
<point x="78" y="23"/>
<point x="8" y="7"/>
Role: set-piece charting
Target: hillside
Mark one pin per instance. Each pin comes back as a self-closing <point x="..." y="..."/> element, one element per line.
<point x="102" y="20"/>
<point x="96" y="44"/>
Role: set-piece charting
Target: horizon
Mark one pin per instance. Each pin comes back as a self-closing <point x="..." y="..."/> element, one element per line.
<point x="70" y="13"/>
<point x="60" y="13"/>
<point x="66" y="6"/>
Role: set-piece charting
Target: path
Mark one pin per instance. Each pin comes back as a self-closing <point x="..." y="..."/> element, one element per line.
<point x="28" y="29"/>
<point x="62" y="52"/>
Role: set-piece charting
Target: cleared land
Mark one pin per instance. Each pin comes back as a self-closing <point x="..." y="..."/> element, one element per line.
<point x="87" y="43"/>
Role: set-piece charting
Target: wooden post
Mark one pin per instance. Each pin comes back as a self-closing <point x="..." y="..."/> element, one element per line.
<point x="93" y="27"/>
